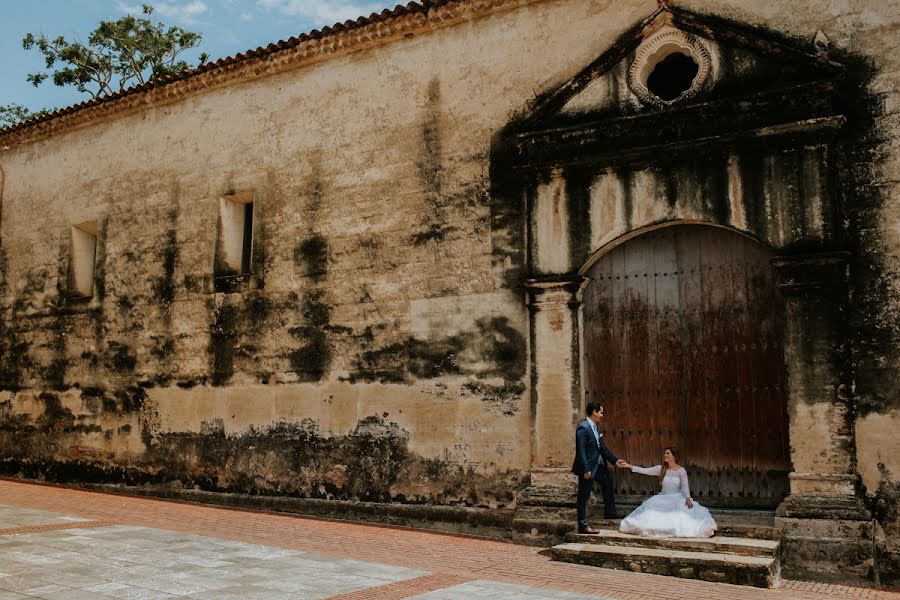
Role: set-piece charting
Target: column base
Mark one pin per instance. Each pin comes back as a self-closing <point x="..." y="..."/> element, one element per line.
<point x="545" y="511"/>
<point x="815" y="506"/>
<point x="551" y="489"/>
<point x="826" y="538"/>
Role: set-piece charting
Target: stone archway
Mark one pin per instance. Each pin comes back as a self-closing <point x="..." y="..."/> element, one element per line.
<point x="683" y="345"/>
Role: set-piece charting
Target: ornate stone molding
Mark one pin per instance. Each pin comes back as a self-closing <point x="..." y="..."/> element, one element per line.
<point x="656" y="48"/>
<point x="556" y="293"/>
<point x="350" y="36"/>
<point x="823" y="484"/>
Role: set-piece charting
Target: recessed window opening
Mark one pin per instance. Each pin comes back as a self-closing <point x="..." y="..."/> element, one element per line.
<point x="82" y="254"/>
<point x="672" y="76"/>
<point x="236" y="214"/>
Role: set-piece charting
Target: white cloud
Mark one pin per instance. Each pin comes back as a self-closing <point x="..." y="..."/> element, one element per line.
<point x="129" y="9"/>
<point x="246" y="17"/>
<point x="180" y="12"/>
<point x="186" y="12"/>
<point x="321" y="12"/>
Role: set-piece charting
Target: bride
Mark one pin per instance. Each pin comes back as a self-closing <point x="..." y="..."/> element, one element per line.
<point x="670" y="513"/>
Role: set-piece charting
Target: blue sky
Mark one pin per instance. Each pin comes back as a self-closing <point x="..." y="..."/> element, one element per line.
<point x="228" y="27"/>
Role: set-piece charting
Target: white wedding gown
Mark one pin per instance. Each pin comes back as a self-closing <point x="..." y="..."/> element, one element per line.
<point x="665" y="514"/>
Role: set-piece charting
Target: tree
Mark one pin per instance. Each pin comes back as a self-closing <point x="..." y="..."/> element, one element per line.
<point x="13" y="113"/>
<point x="118" y="54"/>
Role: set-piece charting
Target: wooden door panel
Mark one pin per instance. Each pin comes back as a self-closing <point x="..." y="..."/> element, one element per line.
<point x="682" y="346"/>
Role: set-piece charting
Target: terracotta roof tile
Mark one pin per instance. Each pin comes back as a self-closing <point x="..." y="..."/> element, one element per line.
<point x="420" y="9"/>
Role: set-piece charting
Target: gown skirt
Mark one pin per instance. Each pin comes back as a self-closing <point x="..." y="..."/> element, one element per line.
<point x="665" y="515"/>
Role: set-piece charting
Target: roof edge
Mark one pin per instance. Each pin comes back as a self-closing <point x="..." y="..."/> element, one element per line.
<point x="365" y="32"/>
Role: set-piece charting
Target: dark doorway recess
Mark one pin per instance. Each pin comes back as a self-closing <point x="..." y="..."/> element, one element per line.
<point x="683" y="346"/>
<point x="672" y="76"/>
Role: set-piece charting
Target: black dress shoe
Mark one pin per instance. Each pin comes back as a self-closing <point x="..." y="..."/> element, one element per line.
<point x="588" y="531"/>
<point x="614" y="516"/>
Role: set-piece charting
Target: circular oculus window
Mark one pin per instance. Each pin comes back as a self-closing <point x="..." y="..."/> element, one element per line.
<point x="669" y="67"/>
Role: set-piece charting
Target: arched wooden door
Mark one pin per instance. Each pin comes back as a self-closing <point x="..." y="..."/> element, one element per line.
<point x="683" y="347"/>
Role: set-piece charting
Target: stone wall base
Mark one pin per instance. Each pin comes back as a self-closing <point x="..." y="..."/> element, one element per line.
<point x="887" y="559"/>
<point x="486" y="522"/>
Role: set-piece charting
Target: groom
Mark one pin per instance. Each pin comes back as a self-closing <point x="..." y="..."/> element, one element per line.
<point x="591" y="455"/>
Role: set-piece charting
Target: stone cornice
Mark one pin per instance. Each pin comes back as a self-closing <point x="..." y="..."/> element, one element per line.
<point x="351" y="36"/>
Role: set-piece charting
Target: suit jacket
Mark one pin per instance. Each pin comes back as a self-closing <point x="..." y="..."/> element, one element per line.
<point x="589" y="451"/>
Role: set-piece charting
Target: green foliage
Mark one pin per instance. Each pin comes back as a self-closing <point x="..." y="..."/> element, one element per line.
<point x="13" y="113"/>
<point x="131" y="50"/>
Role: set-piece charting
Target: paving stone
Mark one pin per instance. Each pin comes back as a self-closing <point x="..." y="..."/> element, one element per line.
<point x="73" y="594"/>
<point x="225" y="555"/>
<point x="19" y="582"/>
<point x="40" y="590"/>
<point x="494" y="590"/>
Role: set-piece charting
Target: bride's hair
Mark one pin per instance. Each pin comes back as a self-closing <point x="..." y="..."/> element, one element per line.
<point x="676" y="454"/>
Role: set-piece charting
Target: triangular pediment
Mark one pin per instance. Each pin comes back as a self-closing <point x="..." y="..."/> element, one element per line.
<point x="676" y="58"/>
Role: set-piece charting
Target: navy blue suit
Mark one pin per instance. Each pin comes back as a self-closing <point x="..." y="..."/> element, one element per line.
<point x="592" y="455"/>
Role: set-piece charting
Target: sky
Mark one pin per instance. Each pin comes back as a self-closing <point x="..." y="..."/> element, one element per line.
<point x="228" y="27"/>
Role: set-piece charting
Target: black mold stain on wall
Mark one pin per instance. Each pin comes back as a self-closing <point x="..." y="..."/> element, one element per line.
<point x="434" y="233"/>
<point x="311" y="254"/>
<point x="100" y="261"/>
<point x="14" y="357"/>
<point x="493" y="342"/>
<point x="429" y="165"/>
<point x="430" y="169"/>
<point x="578" y="191"/>
<point x="56" y="417"/>
<point x="54" y="373"/>
<point x="259" y="261"/>
<point x="119" y="358"/>
<point x="874" y="318"/>
<point x="504" y="399"/>
<point x="371" y="463"/>
<point x="361" y="465"/>
<point x="223" y="336"/>
<point x="164" y="286"/>
<point x="507" y="214"/>
<point x="311" y="361"/>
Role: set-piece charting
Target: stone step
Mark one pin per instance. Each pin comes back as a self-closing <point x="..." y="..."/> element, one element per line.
<point x="749" y="531"/>
<point x="757" y="571"/>
<point x="716" y="544"/>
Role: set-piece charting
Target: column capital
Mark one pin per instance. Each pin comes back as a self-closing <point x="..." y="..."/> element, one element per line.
<point x="555" y="292"/>
<point x="812" y="272"/>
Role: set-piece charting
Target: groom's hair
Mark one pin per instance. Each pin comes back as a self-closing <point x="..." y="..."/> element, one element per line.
<point x="592" y="407"/>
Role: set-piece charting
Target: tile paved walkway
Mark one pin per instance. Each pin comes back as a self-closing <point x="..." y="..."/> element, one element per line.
<point x="60" y="543"/>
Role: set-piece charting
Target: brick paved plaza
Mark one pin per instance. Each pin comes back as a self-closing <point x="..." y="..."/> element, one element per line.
<point x="65" y="544"/>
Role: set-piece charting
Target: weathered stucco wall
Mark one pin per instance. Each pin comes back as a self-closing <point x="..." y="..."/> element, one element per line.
<point x="380" y="348"/>
<point x="374" y="319"/>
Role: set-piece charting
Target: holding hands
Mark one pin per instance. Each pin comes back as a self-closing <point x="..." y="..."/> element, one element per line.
<point x="623" y="464"/>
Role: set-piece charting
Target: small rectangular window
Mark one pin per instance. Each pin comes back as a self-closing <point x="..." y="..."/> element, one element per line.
<point x="236" y="215"/>
<point x="82" y="254"/>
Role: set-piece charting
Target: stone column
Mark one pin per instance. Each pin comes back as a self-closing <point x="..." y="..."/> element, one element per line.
<point x="826" y="528"/>
<point x="555" y="306"/>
